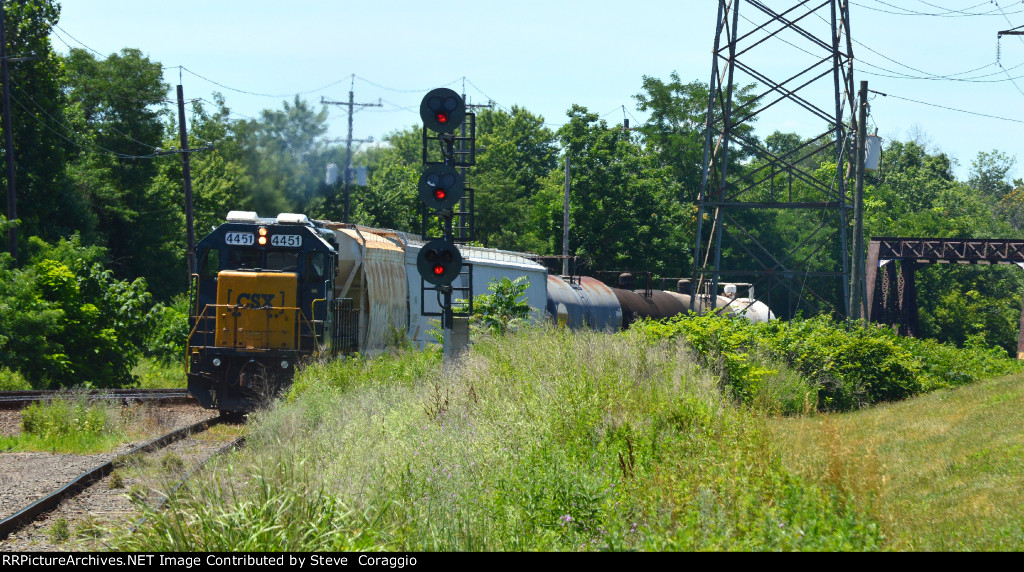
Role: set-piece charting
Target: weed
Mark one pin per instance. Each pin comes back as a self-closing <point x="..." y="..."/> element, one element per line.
<point x="437" y="404"/>
<point x="116" y="480"/>
<point x="68" y="425"/>
<point x="60" y="531"/>
<point x="89" y="527"/>
<point x="138" y="494"/>
<point x="132" y="461"/>
<point x="172" y="463"/>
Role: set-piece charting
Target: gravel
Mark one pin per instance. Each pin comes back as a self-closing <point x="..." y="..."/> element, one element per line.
<point x="26" y="477"/>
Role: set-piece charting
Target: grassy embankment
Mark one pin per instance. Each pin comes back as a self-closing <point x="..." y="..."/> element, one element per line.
<point x="540" y="441"/>
<point x="154" y="374"/>
<point x="667" y="437"/>
<point x="943" y="471"/>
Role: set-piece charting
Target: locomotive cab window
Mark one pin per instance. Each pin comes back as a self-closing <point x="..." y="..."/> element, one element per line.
<point x="210" y="264"/>
<point x="284" y="261"/>
<point x="315" y="267"/>
<point x="243" y="259"/>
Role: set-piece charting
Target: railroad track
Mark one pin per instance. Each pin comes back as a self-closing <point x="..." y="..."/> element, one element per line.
<point x="21" y="399"/>
<point x="69" y="502"/>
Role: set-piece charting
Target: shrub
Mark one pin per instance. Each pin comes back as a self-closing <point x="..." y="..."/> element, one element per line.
<point x="65" y="320"/>
<point x="68" y="425"/>
<point x="847" y="365"/>
<point x="504" y="309"/>
<point x="169" y="334"/>
<point x="12" y="381"/>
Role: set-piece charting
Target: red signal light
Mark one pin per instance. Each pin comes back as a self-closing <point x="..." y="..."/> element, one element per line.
<point x="440" y="194"/>
<point x="442" y="118"/>
<point x="438" y="270"/>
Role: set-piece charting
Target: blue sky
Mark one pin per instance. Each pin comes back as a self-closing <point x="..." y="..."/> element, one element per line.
<point x="548" y="55"/>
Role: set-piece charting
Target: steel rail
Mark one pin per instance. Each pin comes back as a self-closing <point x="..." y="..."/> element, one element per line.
<point x="29" y="514"/>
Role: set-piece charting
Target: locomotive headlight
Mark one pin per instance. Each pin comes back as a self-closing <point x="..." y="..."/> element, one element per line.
<point x="262" y="240"/>
<point x="263" y="231"/>
<point x="284" y="365"/>
<point x="216" y="362"/>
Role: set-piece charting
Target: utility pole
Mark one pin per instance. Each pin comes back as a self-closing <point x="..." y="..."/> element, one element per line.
<point x="351" y="104"/>
<point x="565" y="220"/>
<point x="12" y="196"/>
<point x="186" y="168"/>
<point x="857" y="311"/>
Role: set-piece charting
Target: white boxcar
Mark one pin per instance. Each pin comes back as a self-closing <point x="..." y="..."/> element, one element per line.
<point x="487" y="264"/>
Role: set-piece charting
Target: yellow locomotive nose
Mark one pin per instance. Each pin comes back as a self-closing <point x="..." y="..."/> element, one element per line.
<point x="257" y="310"/>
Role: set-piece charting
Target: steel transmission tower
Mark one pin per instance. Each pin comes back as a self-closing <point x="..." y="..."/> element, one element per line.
<point x="800" y="62"/>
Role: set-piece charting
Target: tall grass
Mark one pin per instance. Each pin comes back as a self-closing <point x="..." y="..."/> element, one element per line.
<point x="940" y="472"/>
<point x="542" y="440"/>
<point x="157" y="374"/>
<point x="69" y="425"/>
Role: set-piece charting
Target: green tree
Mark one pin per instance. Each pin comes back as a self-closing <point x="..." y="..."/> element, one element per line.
<point x="990" y="174"/>
<point x="67" y="321"/>
<point x="519" y="154"/>
<point x="44" y="130"/>
<point x="284" y="157"/>
<point x="625" y="211"/>
<point x="676" y="128"/>
<point x="119" y="101"/>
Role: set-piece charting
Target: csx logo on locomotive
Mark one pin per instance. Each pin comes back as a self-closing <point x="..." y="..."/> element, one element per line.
<point x="255" y="300"/>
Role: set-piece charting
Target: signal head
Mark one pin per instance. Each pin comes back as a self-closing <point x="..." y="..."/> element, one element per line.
<point x="442" y="110"/>
<point x="439" y="262"/>
<point x="441" y="187"/>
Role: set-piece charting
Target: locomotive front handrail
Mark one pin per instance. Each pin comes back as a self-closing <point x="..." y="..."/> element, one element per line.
<point x="301" y="320"/>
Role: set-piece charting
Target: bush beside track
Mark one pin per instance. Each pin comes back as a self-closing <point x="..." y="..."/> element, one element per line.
<point x="818" y="364"/>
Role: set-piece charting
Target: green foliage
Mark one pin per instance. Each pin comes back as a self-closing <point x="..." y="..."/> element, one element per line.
<point x="505" y="309"/>
<point x="675" y="130"/>
<point x="169" y="332"/>
<point x="12" y="381"/>
<point x="283" y="156"/>
<point x="67" y="321"/>
<point x="390" y="200"/>
<point x="70" y="425"/>
<point x="50" y="204"/>
<point x="846" y="366"/>
<point x="854" y="366"/>
<point x="624" y="212"/>
<point x="513" y="199"/>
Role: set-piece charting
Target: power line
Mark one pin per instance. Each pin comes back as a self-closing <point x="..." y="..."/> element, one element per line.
<point x="954" y="109"/>
<point x="949" y="13"/>
<point x="73" y="142"/>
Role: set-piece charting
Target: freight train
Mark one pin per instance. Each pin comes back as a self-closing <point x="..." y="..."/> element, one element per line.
<point x="270" y="292"/>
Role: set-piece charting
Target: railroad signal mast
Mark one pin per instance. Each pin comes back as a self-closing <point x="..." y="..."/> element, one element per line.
<point x="445" y="196"/>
